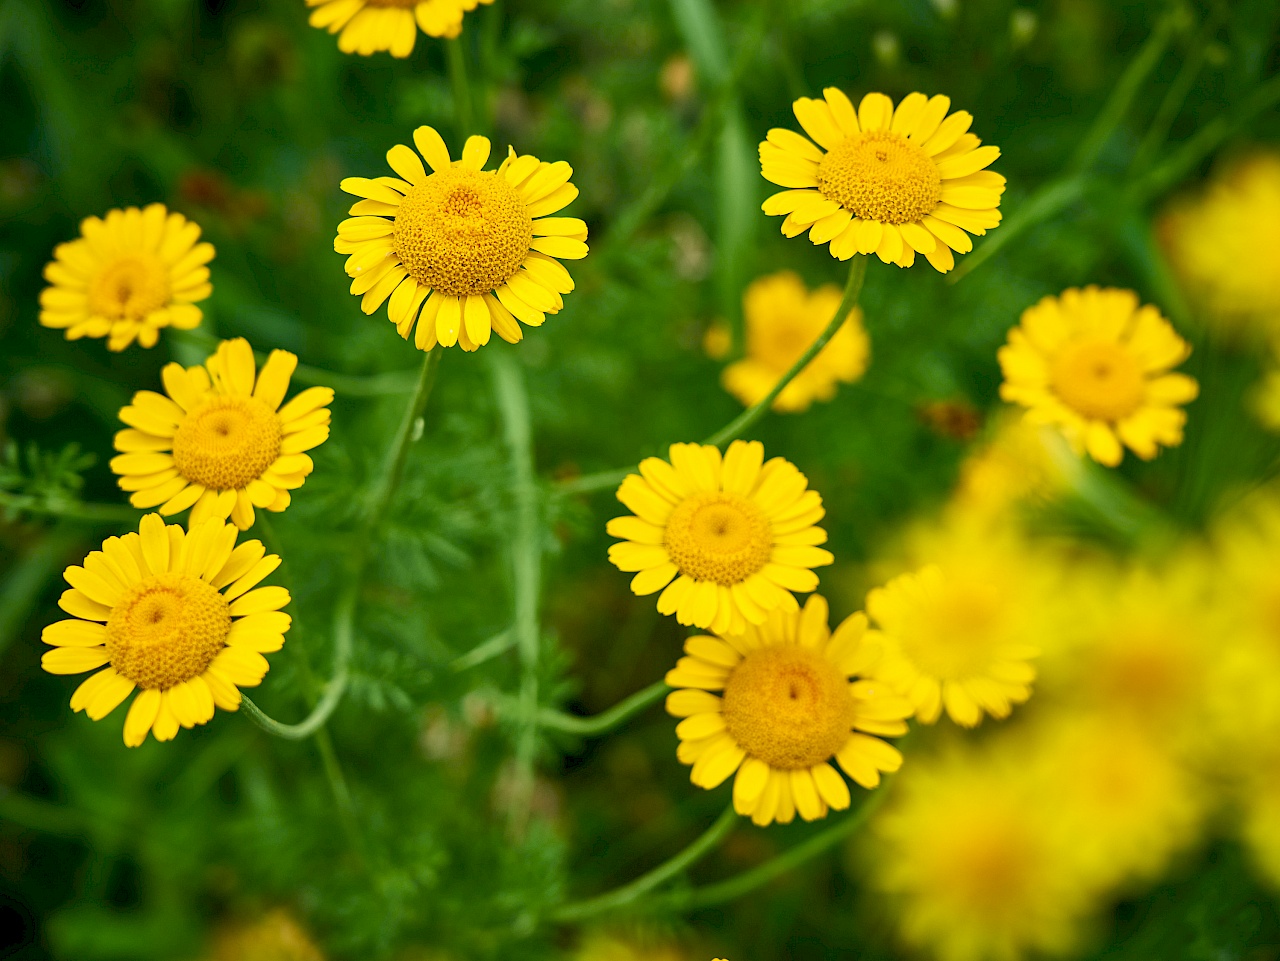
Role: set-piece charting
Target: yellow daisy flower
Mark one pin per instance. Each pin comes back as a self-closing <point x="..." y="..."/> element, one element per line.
<point x="960" y="632"/>
<point x="788" y="708"/>
<point x="473" y="250"/>
<point x="895" y="182"/>
<point x="169" y="612"/>
<point x="1096" y="365"/>
<point x="783" y="318"/>
<point x="729" y="538"/>
<point x="1225" y="245"/>
<point x="126" y="276"/>
<point x="371" y="26"/>
<point x="979" y="868"/>
<point x="221" y="443"/>
<point x="276" y="936"/>
<point x="1260" y="829"/>
<point x="1020" y="462"/>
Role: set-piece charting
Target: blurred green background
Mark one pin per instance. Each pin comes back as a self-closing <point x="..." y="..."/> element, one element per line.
<point x="239" y="115"/>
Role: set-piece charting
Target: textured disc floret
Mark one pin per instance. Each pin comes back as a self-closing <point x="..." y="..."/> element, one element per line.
<point x="127" y="276"/>
<point x="463" y="232"/>
<point x="222" y="442"/>
<point x="1097" y="365"/>
<point x="366" y="27"/>
<point x="457" y="250"/>
<point x="881" y="176"/>
<point x="176" y="615"/>
<point x="893" y="181"/>
<point x="725" y="538"/>
<point x="789" y="706"/>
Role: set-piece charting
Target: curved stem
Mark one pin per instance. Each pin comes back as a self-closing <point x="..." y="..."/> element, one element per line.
<point x="628" y="893"/>
<point x="737" y="426"/>
<point x="379" y="497"/>
<point x="69" y="510"/>
<point x="605" y="721"/>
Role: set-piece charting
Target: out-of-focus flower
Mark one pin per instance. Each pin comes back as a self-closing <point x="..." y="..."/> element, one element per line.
<point x="1225" y="245"/>
<point x="1095" y="364"/>
<point x="1019" y="462"/>
<point x="277" y="936"/>
<point x="220" y="442"/>
<point x="1261" y="829"/>
<point x="782" y="319"/>
<point x="127" y="276"/>
<point x="629" y="944"/>
<point x="787" y="710"/>
<point x="371" y="26"/>
<point x="473" y="250"/>
<point x="171" y="613"/>
<point x="982" y="870"/>
<point x="890" y="181"/>
<point x="729" y="538"/>
<point x="960" y="633"/>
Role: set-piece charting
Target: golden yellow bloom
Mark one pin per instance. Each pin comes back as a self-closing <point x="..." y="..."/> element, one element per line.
<point x="787" y="709"/>
<point x="890" y="181"/>
<point x="171" y="613"/>
<point x="371" y="26"/>
<point x="783" y="318"/>
<point x="981" y="868"/>
<point x="127" y="276"/>
<point x="1095" y="364"/>
<point x="277" y="936"/>
<point x="1019" y="462"/>
<point x="473" y="250"/>
<point x="1225" y="245"/>
<point x="629" y="943"/>
<point x="1261" y="828"/>
<point x="221" y="443"/>
<point x="736" y="534"/>
<point x="960" y="633"/>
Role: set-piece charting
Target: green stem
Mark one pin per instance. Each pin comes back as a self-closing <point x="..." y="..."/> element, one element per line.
<point x="526" y="561"/>
<point x="68" y="510"/>
<point x="852" y="290"/>
<point x="379" y="497"/>
<point x="1175" y="97"/>
<point x="605" y="721"/>
<point x="628" y="893"/>
<point x="734" y="888"/>
<point x="457" y="58"/>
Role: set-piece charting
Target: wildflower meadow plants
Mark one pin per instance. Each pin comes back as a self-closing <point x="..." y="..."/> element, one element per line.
<point x="371" y="637"/>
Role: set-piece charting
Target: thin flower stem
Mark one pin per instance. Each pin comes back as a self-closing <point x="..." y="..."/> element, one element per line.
<point x="457" y="58"/>
<point x="526" y="569"/>
<point x="605" y="721"/>
<point x="68" y="510"/>
<point x="629" y="893"/>
<point x="734" y="888"/>
<point x="379" y="498"/>
<point x="852" y="290"/>
<point x="1176" y="95"/>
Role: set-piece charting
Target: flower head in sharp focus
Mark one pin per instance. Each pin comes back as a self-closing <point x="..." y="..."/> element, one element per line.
<point x="960" y="633"/>
<point x="1225" y="245"/>
<point x="371" y="26"/>
<point x="221" y="442"/>
<point x="127" y="276"/>
<point x="782" y="319"/>
<point x="1096" y="364"/>
<point x="978" y="867"/>
<point x="460" y="250"/>
<point x="894" y="182"/>
<point x="788" y="706"/>
<point x="729" y="538"/>
<point x="173" y="614"/>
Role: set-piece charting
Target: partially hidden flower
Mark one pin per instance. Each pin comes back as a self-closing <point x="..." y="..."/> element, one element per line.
<point x="725" y="538"/>
<point x="1097" y="365"/>
<point x="890" y="181"/>
<point x="223" y="441"/>
<point x="127" y="276"/>
<point x="782" y="319"/>
<point x="461" y="251"/>
<point x="175" y="615"/>
<point x="787" y="706"/>
<point x="367" y="27"/>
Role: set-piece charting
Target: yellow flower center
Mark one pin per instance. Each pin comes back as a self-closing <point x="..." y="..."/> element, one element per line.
<point x="881" y="175"/>
<point x="788" y="706"/>
<point x="463" y="231"/>
<point x="954" y="633"/>
<point x="718" y="537"/>
<point x="1100" y="379"/>
<point x="129" y="288"/>
<point x="167" y="629"/>
<point x="986" y="864"/>
<point x="226" y="442"/>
